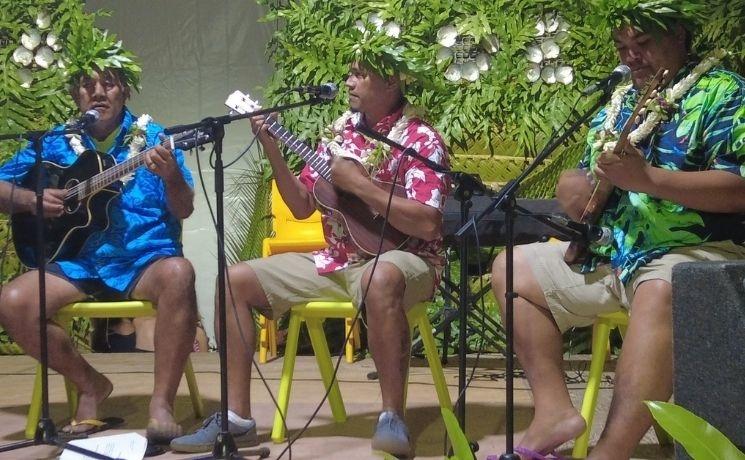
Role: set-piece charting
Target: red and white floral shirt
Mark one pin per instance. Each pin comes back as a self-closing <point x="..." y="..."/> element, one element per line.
<point x="421" y="183"/>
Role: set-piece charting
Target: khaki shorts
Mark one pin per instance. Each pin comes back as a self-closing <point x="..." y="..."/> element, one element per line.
<point x="291" y="278"/>
<point x="575" y="299"/>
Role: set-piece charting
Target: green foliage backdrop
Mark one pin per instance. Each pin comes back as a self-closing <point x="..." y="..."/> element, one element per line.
<point x="33" y="92"/>
<point x="501" y="113"/>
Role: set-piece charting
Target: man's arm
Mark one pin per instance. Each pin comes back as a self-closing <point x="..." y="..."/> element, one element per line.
<point x="408" y="216"/>
<point x="708" y="191"/>
<point x="294" y="193"/>
<point x="24" y="200"/>
<point x="179" y="195"/>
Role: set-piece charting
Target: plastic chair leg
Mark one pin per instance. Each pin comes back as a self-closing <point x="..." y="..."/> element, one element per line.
<point x="34" y="410"/>
<point x="590" y="399"/>
<point x="263" y="338"/>
<point x="433" y="358"/>
<point x="325" y="366"/>
<point x="353" y="343"/>
<point x="285" y="382"/>
<point x="191" y="381"/>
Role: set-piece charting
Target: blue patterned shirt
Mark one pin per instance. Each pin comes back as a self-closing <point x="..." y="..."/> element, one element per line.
<point x="706" y="132"/>
<point x="141" y="228"/>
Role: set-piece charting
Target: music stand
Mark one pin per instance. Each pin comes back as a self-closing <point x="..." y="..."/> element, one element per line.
<point x="46" y="432"/>
<point x="225" y="447"/>
<point x="506" y="200"/>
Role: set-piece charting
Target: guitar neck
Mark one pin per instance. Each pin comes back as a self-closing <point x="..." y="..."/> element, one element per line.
<point x="109" y="176"/>
<point x="319" y="164"/>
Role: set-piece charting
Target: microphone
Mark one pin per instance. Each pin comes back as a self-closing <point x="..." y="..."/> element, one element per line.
<point x="88" y="118"/>
<point x="620" y="74"/>
<point x="326" y="91"/>
<point x="589" y="232"/>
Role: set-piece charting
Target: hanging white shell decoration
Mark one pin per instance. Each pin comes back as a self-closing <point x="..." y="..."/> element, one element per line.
<point x="564" y="74"/>
<point x="22" y="56"/>
<point x="550" y="49"/>
<point x="490" y="43"/>
<point x="534" y="72"/>
<point x="392" y="29"/>
<point x="453" y="72"/>
<point x="31" y="39"/>
<point x="469" y="71"/>
<point x="44" y="57"/>
<point x="482" y="61"/>
<point x="548" y="75"/>
<point x="534" y="54"/>
<point x="446" y="36"/>
<point x="443" y="54"/>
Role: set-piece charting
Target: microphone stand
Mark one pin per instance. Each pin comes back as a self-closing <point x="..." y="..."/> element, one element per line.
<point x="225" y="447"/>
<point x="46" y="432"/>
<point x="467" y="185"/>
<point x="506" y="200"/>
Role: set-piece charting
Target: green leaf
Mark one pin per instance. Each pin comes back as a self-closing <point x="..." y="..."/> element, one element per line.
<point x="700" y="439"/>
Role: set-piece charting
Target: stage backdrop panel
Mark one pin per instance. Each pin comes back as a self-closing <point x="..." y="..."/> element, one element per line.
<point x="193" y="54"/>
<point x="709" y="321"/>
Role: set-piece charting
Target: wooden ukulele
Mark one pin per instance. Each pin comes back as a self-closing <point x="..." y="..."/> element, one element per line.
<point x="578" y="251"/>
<point x="91" y="184"/>
<point x="363" y="224"/>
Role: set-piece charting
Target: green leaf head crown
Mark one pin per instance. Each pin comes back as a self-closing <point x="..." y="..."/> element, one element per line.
<point x="91" y="49"/>
<point x="651" y="15"/>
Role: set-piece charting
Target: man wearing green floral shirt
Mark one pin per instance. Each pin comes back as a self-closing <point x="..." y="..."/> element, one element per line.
<point x="679" y="197"/>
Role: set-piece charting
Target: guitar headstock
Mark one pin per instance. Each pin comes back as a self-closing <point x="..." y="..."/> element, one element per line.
<point x="241" y="103"/>
<point x="187" y="140"/>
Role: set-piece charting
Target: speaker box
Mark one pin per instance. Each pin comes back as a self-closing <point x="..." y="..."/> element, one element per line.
<point x="708" y="343"/>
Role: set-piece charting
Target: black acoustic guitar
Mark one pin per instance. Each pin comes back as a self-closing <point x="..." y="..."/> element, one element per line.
<point x="91" y="183"/>
<point x="363" y="223"/>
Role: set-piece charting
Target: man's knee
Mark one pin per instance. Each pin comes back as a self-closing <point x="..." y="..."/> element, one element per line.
<point x="385" y="283"/>
<point x="15" y="305"/>
<point x="177" y="271"/>
<point x="523" y="278"/>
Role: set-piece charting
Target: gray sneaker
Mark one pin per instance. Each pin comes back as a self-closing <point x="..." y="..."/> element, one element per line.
<point x="203" y="440"/>
<point x="392" y="436"/>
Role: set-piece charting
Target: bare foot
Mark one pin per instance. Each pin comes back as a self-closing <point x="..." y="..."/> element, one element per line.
<point x="548" y="431"/>
<point x="162" y="426"/>
<point x="88" y="401"/>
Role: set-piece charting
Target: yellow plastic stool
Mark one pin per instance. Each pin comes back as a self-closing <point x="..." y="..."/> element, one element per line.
<point x="294" y="235"/>
<point x="125" y="309"/>
<point x="600" y="336"/>
<point x="313" y="313"/>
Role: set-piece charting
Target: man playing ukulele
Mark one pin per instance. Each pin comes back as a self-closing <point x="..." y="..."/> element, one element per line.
<point x="679" y="197"/>
<point x="342" y="271"/>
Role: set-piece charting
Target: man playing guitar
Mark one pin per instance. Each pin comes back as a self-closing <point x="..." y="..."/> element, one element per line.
<point x="401" y="278"/>
<point x="138" y="255"/>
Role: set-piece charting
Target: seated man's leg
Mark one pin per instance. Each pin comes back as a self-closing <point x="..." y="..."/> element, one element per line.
<point x="19" y="314"/>
<point x="271" y="285"/>
<point x="551" y="297"/>
<point x="400" y="280"/>
<point x="169" y="284"/>
<point x="644" y="371"/>
<point x="645" y="367"/>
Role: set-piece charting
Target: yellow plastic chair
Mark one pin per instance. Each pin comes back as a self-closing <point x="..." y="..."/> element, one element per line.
<point x="313" y="313"/>
<point x="600" y="337"/>
<point x="294" y="235"/>
<point x="125" y="309"/>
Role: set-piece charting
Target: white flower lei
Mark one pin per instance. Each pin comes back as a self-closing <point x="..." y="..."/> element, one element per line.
<point x="135" y="139"/>
<point x="658" y="108"/>
<point x="380" y="151"/>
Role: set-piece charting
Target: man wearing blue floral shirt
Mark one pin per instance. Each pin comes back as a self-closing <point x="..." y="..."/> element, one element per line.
<point x="139" y="255"/>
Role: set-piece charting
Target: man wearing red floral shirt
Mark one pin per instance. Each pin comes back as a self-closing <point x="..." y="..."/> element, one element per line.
<point x="342" y="271"/>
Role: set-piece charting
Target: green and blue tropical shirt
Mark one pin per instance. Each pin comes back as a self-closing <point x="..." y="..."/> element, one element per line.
<point x="707" y="131"/>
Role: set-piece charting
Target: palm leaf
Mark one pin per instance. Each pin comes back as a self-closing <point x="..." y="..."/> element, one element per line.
<point x="699" y="438"/>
